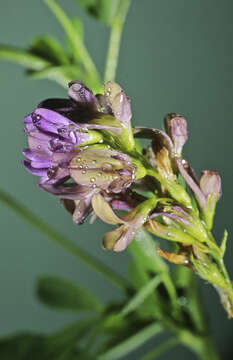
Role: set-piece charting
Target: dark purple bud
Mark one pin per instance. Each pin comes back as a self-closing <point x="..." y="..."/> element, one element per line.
<point x="80" y="93"/>
<point x="176" y="128"/>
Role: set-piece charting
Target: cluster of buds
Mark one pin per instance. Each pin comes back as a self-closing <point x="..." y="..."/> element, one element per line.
<point x="84" y="151"/>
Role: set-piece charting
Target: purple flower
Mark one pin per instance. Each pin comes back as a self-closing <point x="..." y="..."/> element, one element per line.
<point x="51" y="140"/>
<point x="63" y="148"/>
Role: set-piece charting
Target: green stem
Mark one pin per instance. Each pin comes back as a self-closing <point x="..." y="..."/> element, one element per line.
<point x="115" y="41"/>
<point x="160" y="349"/>
<point x="61" y="240"/>
<point x="80" y="51"/>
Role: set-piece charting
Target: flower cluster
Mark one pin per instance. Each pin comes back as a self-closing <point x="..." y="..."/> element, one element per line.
<point x="84" y="151"/>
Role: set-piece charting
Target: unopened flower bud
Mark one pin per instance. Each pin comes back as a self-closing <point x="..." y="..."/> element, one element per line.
<point x="172" y="233"/>
<point x="176" y="128"/>
<point x="163" y="163"/>
<point x="210" y="184"/>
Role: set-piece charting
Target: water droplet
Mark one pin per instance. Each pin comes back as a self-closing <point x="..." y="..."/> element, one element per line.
<point x="107" y="167"/>
<point x="80" y="167"/>
<point x="94" y="186"/>
<point x="62" y="130"/>
<point x="183" y="161"/>
<point x="99" y="174"/>
<point x="108" y="146"/>
<point x="185" y="230"/>
<point x="93" y="161"/>
<point x="101" y="141"/>
<point x="78" y="159"/>
<point x="35" y="118"/>
<point x="84" y="171"/>
<point x="39" y="147"/>
<point x="92" y="180"/>
<point x="51" y="173"/>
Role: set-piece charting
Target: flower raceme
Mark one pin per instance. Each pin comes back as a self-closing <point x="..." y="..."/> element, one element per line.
<point x="84" y="151"/>
<point x="84" y="146"/>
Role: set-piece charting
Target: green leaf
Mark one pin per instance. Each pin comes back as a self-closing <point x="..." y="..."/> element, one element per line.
<point x="47" y="47"/>
<point x="63" y="294"/>
<point x="23" y="57"/>
<point x="61" y="74"/>
<point x="58" y="346"/>
<point x="140" y="296"/>
<point x="131" y="343"/>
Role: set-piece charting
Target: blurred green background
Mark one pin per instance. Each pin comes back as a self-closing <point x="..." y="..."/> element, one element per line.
<point x="176" y="56"/>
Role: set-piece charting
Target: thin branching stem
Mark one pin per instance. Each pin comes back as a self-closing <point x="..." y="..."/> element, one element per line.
<point x="115" y="41"/>
<point x="62" y="241"/>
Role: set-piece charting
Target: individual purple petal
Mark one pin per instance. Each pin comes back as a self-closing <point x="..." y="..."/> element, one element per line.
<point x="72" y="192"/>
<point x="51" y="116"/>
<point x="120" y="205"/>
<point x="34" y="171"/>
<point x="28" y="119"/>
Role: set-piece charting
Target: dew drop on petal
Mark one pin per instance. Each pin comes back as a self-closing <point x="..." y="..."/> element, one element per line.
<point x="51" y="173"/>
<point x="107" y="167"/>
<point x="35" y="118"/>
